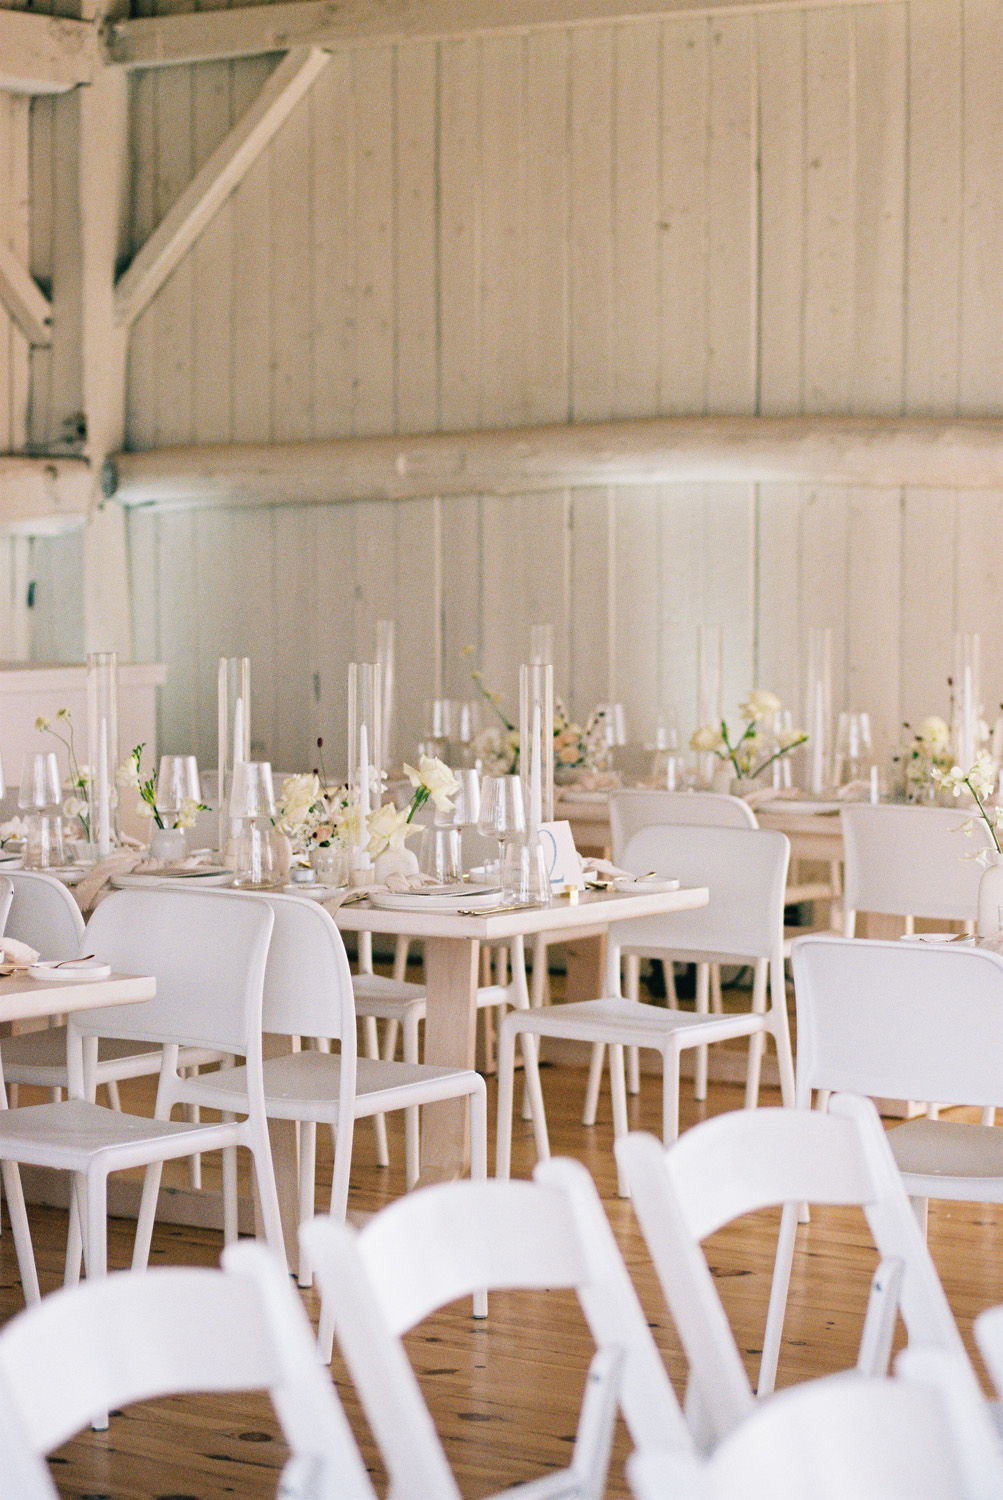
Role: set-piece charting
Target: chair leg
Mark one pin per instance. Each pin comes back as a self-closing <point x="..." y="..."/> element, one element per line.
<point x="230" y="1206"/>
<point x="19" y="1228"/>
<point x="308" y="1172"/>
<point x="632" y="972"/>
<point x="97" y="1248"/>
<point x="506" y="1079"/>
<point x="372" y="1043"/>
<point x="390" y="1031"/>
<point x="594" y="1084"/>
<point x="479" y="1166"/>
<point x="778" y="1299"/>
<point x="670" y="1095"/>
<point x="341" y="1170"/>
<point x="412" y="1115"/>
<point x="702" y="1006"/>
<point x="921" y="1208"/>
<point x="619" y="1092"/>
<point x="757" y="1039"/>
<point x="111" y="1089"/>
<point x="147" y="1215"/>
<point x="268" y="1196"/>
<point x="716" y="1003"/>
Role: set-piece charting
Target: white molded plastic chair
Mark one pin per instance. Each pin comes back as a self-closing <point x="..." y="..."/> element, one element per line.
<point x="89" y="1349"/>
<point x="743" y="1162"/>
<point x="446" y="1242"/>
<point x="207" y="952"/>
<point x="745" y="870"/>
<point x="45" y="915"/>
<point x="629" y="813"/>
<point x="844" y="1437"/>
<point x="308" y="993"/>
<point x="6" y="899"/>
<point x="909" y="862"/>
<point x="909" y="1020"/>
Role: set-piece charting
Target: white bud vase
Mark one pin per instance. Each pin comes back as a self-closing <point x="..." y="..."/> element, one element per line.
<point x="394" y="862"/>
<point x="167" y="845"/>
<point x="991" y="898"/>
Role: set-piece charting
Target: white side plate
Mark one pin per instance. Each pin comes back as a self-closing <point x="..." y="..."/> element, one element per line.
<point x="74" y="969"/>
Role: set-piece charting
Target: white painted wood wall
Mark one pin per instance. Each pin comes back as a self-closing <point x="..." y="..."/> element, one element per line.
<point x="786" y="212"/>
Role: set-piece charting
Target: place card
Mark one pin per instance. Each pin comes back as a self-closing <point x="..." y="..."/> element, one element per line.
<point x="564" y="864"/>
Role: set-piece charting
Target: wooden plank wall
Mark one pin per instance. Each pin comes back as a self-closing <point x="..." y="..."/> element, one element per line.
<point x="786" y="212"/>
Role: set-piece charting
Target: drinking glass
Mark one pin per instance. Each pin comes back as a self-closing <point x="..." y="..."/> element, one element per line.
<point x="257" y="863"/>
<point x="524" y="877"/>
<point x="177" y="782"/>
<point x="854" y="756"/>
<point x="502" y="812"/>
<point x="440" y="853"/>
<point x="40" y="797"/>
<point x="467" y="801"/>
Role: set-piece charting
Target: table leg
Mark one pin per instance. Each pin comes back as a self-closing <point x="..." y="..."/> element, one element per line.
<point x="450" y="1027"/>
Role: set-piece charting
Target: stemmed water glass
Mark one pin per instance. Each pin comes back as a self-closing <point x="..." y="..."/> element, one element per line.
<point x="502" y="814"/>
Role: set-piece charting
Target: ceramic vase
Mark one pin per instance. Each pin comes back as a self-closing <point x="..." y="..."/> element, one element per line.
<point x="394" y="862"/>
<point x="991" y="898"/>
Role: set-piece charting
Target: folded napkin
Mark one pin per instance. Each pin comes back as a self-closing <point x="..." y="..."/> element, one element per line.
<point x="605" y="870"/>
<point x="88" y="890"/>
<point x="18" y="954"/>
<point x="398" y="884"/>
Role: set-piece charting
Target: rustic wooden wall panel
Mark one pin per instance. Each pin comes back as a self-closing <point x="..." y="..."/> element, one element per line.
<point x="790" y="212"/>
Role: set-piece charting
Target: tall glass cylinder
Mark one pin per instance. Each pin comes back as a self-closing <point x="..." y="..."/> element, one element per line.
<point x="967" y="698"/>
<point x="102" y="748"/>
<point x="386" y="634"/>
<point x="709" y="692"/>
<point x="365" y="761"/>
<point x="536" y="742"/>
<point x="818" y="710"/>
<point x="234" y="728"/>
<point x="541" y="645"/>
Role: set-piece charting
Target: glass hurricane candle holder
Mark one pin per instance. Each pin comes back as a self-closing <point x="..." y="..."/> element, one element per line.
<point x="257" y="855"/>
<point x="365" y="761"/>
<point x="233" y="713"/>
<point x="536" y="741"/>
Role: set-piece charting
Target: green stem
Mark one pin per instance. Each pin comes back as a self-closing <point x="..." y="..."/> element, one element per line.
<point x="478" y="684"/>
<point x="988" y="821"/>
<point x="421" y="796"/>
<point x="777" y="754"/>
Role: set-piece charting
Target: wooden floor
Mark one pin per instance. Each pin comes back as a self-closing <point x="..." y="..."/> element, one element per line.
<point x="505" y="1393"/>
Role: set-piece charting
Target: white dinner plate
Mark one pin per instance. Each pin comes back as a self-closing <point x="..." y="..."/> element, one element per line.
<point x="51" y="969"/>
<point x="639" y="887"/>
<point x="8" y="856"/>
<point x="204" y="875"/>
<point x="437" y="899"/>
<point x="312" y="889"/>
<point x="579" y="794"/>
<point x="68" y="874"/>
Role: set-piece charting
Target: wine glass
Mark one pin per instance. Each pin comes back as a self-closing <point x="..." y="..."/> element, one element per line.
<point x="257" y="863"/>
<point x="854" y="755"/>
<point x="40" y="798"/>
<point x="502" y="814"/>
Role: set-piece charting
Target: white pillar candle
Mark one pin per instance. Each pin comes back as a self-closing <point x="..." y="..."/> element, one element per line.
<point x="238" y="731"/>
<point x="363" y="778"/>
<point x="535" y="775"/>
<point x="104" y="801"/>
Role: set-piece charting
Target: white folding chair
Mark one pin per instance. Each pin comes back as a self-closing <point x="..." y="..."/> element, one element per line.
<point x="207" y="951"/>
<point x="745" y="870"/>
<point x="92" y="1348"/>
<point x="446" y="1242"/>
<point x="6" y="900"/>
<point x="743" y="1162"/>
<point x="909" y="862"/>
<point x="45" y="915"/>
<point x="842" y="1436"/>
<point x="909" y="1020"/>
<point x="308" y="993"/>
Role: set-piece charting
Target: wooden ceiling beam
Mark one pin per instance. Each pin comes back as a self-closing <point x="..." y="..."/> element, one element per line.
<point x="212" y="185"/>
<point x="45" y="54"/>
<point x="249" y="31"/>
<point x="872" y="451"/>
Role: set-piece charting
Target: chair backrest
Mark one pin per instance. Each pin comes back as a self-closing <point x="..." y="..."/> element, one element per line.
<point x="308" y="983"/>
<point x="899" y="1020"/>
<point x="124" y="1338"/>
<point x="6" y="898"/>
<point x="44" y="914"/>
<point x="746" y="872"/>
<point x="839" y="1436"/>
<point x="207" y="952"/>
<point x="630" y="811"/>
<point x="910" y="861"/>
<point x="740" y="1163"/>
<point x="441" y="1243"/>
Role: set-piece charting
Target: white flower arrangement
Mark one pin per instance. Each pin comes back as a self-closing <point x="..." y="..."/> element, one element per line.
<point x="980" y="780"/>
<point x="129" y="774"/>
<point x="754" y="749"/>
<point x="76" y="804"/>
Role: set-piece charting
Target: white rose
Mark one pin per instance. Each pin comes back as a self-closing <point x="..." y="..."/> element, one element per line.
<point x="388" y="828"/>
<point x="707" y="739"/>
<point x="933" y="734"/>
<point x="437" y="779"/>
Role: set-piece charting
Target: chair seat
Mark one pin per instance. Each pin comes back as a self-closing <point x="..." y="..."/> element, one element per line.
<point x="635" y="1025"/>
<point x="930" y="1153"/>
<point x="306" y="1086"/>
<point x="387" y="999"/>
<point x="38" y="1058"/>
<point x="71" y="1134"/>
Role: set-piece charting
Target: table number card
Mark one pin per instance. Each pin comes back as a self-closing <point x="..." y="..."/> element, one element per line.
<point x="564" y="863"/>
